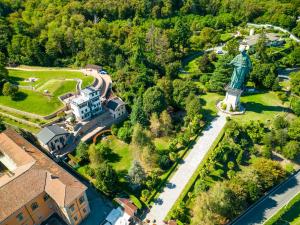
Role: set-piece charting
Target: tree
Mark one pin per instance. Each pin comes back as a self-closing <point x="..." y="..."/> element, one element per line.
<point x="136" y="173"/>
<point x="167" y="87"/>
<point x="82" y="151"/>
<point x="104" y="150"/>
<point x="209" y="36"/>
<point x="95" y="156"/>
<point x="221" y="76"/>
<point x="270" y="172"/>
<point x="232" y="47"/>
<point x="296" y="107"/>
<point x="192" y="108"/>
<point x="294" y="129"/>
<point x="149" y="158"/>
<point x="261" y="48"/>
<point x="138" y="114"/>
<point x="106" y="179"/>
<point x="3" y="70"/>
<point x="291" y="150"/>
<point x="280" y="122"/>
<point x="10" y="89"/>
<point x="155" y="125"/>
<point x="295" y="82"/>
<point x="181" y="89"/>
<point x="154" y="101"/>
<point x="166" y="122"/>
<point x="2" y="126"/>
<point x="205" y="65"/>
<point x="139" y="136"/>
<point x="124" y="133"/>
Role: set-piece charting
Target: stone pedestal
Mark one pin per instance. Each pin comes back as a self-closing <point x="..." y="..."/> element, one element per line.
<point x="231" y="103"/>
<point x="232" y="99"/>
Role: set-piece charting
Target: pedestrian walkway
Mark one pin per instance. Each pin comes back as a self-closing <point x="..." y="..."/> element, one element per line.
<point x="171" y="192"/>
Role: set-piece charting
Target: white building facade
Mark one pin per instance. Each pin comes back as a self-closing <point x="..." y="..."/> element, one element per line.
<point x="87" y="104"/>
<point x="116" y="107"/>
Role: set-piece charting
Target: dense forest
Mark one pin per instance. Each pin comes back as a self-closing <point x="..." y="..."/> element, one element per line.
<point x="136" y="33"/>
<point x="139" y="40"/>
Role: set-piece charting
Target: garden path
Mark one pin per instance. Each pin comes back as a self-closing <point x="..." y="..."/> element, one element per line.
<point x="185" y="171"/>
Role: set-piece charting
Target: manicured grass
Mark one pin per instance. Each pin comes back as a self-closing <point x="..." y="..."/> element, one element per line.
<point x="123" y="153"/>
<point x="33" y="102"/>
<point x="19" y="76"/>
<point x="289" y="214"/>
<point x="261" y="106"/>
<point x="36" y="101"/>
<point x="209" y="101"/>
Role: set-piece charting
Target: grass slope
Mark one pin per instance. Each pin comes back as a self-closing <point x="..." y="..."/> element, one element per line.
<point x="36" y="101"/>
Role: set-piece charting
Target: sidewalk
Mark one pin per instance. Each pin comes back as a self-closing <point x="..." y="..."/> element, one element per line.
<point x="185" y="171"/>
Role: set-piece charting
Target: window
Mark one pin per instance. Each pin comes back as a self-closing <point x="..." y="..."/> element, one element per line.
<point x="75" y="218"/>
<point x="81" y="200"/>
<point x="84" y="210"/>
<point x="20" y="216"/>
<point x="46" y="197"/>
<point x="72" y="208"/>
<point x="34" y="206"/>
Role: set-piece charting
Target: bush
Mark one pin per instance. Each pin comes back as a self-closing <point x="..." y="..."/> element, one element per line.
<point x="124" y="134"/>
<point x="89" y="171"/>
<point x="136" y="201"/>
<point x="164" y="162"/>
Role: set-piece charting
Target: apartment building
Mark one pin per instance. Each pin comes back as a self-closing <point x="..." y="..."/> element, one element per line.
<point x="87" y="104"/>
<point x="33" y="187"/>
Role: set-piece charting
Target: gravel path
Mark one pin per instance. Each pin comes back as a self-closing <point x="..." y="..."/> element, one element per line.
<point x="185" y="171"/>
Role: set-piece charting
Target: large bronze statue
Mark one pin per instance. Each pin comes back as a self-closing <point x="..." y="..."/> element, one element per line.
<point x="242" y="66"/>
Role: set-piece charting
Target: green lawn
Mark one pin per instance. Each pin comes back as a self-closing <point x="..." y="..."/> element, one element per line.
<point x="261" y="106"/>
<point x="36" y="101"/>
<point x="19" y="76"/>
<point x="123" y="154"/>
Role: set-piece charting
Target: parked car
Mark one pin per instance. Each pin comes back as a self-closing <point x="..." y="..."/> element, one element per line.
<point x="219" y="52"/>
<point x="103" y="72"/>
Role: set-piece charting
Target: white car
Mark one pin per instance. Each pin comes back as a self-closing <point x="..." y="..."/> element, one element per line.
<point x="219" y="52"/>
<point x="103" y="72"/>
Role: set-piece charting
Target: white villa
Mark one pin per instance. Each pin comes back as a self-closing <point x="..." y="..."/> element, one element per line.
<point x="116" y="107"/>
<point x="87" y="104"/>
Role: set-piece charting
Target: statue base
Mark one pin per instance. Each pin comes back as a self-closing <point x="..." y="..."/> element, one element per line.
<point x="231" y="104"/>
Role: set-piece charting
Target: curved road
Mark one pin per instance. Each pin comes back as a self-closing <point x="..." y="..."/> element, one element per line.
<point x="272" y="203"/>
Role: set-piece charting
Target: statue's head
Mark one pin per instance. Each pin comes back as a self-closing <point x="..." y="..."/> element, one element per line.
<point x="242" y="48"/>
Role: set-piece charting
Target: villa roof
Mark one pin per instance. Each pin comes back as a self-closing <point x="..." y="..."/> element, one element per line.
<point x="41" y="175"/>
<point x="114" y="103"/>
<point x="49" y="132"/>
<point x="127" y="205"/>
<point x="94" y="67"/>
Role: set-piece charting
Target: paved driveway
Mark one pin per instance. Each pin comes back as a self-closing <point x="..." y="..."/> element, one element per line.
<point x="270" y="204"/>
<point x="185" y="171"/>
